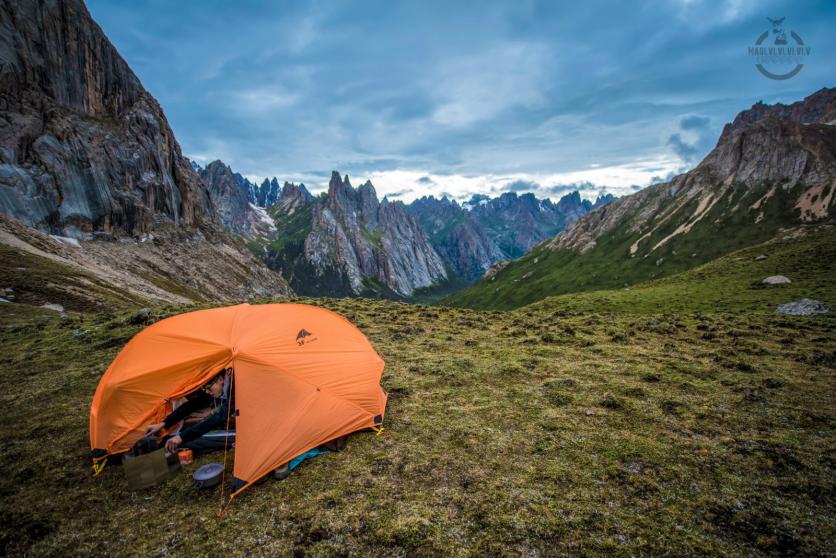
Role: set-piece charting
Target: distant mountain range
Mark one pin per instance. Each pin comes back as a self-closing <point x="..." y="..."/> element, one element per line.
<point x="346" y="242"/>
<point x="476" y="234"/>
<point x="93" y="185"/>
<point x="774" y="168"/>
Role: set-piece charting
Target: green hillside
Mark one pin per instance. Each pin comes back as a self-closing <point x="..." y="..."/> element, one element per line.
<point x="679" y="417"/>
<point x="731" y="283"/>
<point x="610" y="264"/>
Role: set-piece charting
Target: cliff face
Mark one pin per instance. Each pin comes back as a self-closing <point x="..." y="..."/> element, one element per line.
<point x="83" y="146"/>
<point x="345" y="242"/>
<point x="375" y="245"/>
<point x="87" y="156"/>
<point x="229" y="199"/>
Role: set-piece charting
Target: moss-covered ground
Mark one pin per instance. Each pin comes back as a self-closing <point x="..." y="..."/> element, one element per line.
<point x="631" y="422"/>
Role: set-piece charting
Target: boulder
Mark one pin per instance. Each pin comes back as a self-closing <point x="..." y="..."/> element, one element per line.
<point x="803" y="307"/>
<point x="776" y="280"/>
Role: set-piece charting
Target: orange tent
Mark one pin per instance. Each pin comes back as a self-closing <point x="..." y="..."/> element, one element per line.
<point x="303" y="376"/>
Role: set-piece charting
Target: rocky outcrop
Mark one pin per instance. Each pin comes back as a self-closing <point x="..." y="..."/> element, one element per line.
<point x="293" y="198"/>
<point x="818" y="108"/>
<point x="776" y="280"/>
<point x="228" y="197"/>
<point x="373" y="245"/>
<point x="83" y="146"/>
<point x="803" y="307"/>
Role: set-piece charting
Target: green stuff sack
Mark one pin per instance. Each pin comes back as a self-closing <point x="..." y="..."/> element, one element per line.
<point x="144" y="471"/>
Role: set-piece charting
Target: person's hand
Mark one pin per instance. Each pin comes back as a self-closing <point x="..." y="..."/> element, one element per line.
<point x="173" y="443"/>
<point x="154" y="428"/>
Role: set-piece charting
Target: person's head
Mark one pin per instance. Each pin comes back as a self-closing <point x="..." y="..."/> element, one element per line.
<point x="215" y="386"/>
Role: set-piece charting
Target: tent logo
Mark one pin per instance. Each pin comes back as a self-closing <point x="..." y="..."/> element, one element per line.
<point x="304" y="336"/>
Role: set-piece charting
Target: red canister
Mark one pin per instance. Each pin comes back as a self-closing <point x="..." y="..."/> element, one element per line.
<point x="185" y="456"/>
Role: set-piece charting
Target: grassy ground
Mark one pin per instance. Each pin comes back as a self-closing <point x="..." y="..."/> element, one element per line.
<point x="588" y="426"/>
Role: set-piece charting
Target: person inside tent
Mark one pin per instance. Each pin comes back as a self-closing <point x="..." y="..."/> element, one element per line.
<point x="213" y="403"/>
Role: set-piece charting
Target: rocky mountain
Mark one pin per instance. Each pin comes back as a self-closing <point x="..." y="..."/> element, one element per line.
<point x="86" y="154"/>
<point x="519" y="222"/>
<point x="268" y="193"/>
<point x="248" y="187"/>
<point x="230" y="194"/>
<point x="83" y="146"/>
<point x="774" y="167"/>
<point x="459" y="240"/>
<point x="471" y="237"/>
<point x="293" y="197"/>
<point x="228" y="197"/>
<point x="345" y="242"/>
<point x="468" y="238"/>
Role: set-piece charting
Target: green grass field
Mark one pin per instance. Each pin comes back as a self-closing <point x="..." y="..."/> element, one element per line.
<point x="680" y="417"/>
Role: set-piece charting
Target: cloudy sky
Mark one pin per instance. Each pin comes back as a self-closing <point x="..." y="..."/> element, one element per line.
<point x="426" y="97"/>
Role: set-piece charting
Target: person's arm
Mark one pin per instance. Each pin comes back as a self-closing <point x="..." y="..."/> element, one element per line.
<point x="215" y="420"/>
<point x="194" y="402"/>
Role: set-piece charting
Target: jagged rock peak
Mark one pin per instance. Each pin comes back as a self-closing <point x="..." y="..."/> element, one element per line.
<point x="290" y="189"/>
<point x="817" y="108"/>
<point x="367" y="186"/>
<point x="229" y="196"/>
<point x="604" y="199"/>
<point x="218" y="165"/>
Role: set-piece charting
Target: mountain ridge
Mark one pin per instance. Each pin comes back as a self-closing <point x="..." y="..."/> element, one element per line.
<point x="768" y="171"/>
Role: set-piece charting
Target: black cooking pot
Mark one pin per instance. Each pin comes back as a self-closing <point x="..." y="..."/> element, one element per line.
<point x="208" y="475"/>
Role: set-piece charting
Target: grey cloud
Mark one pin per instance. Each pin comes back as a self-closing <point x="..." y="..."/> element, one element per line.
<point x="559" y="190"/>
<point x="399" y="193"/>
<point x="521" y="186"/>
<point x="694" y="122"/>
<point x="686" y="151"/>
